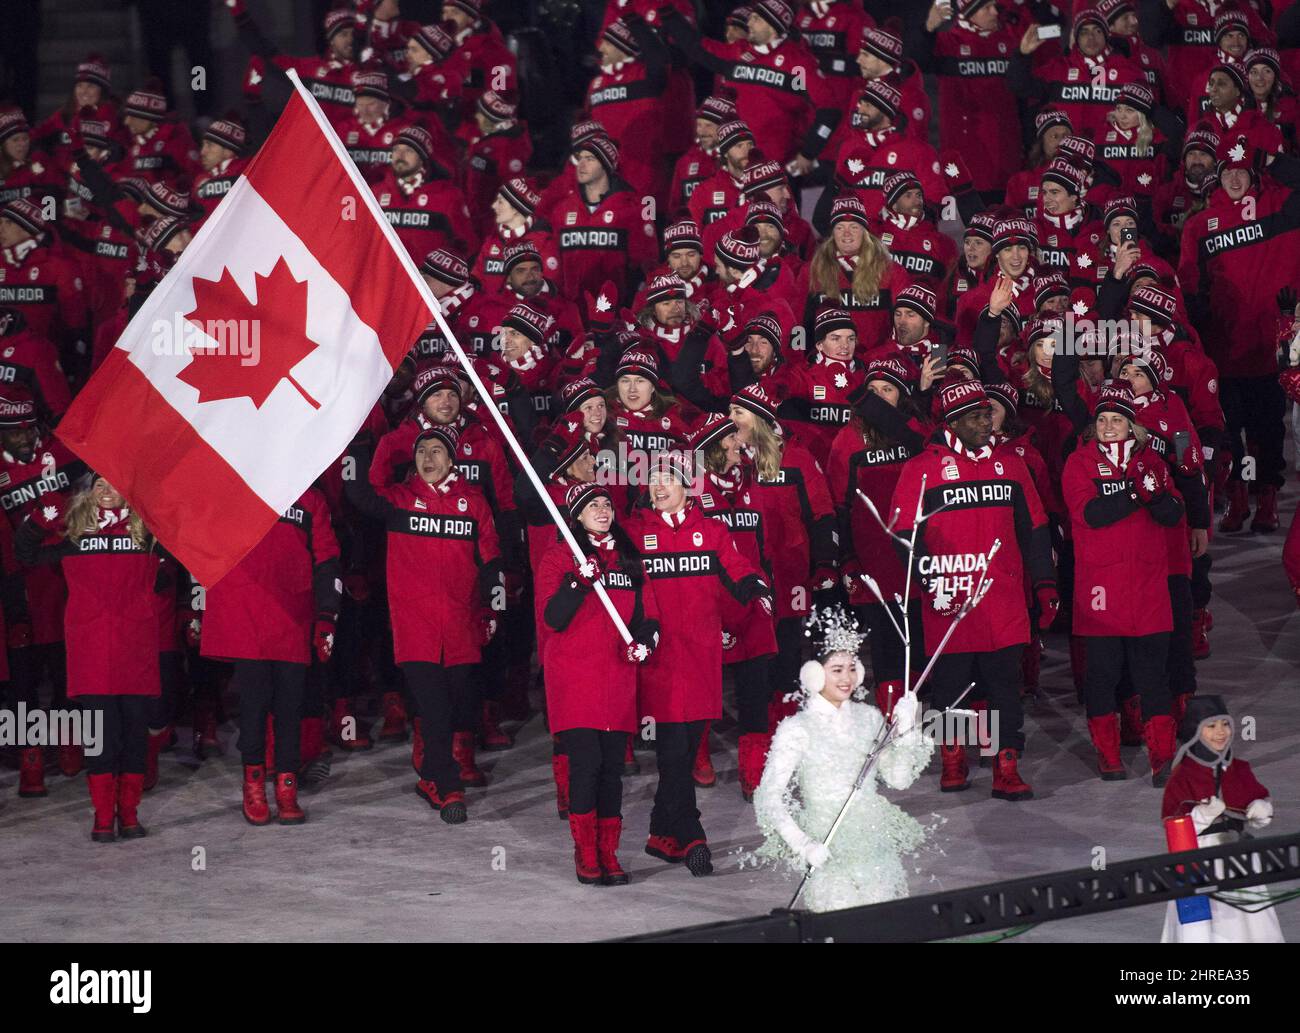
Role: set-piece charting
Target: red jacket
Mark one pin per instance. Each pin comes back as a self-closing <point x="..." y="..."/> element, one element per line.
<point x="714" y="197"/>
<point x="692" y="169"/>
<point x="492" y="160"/>
<point x="165" y="154"/>
<point x="1164" y="416"/>
<point x="975" y="102"/>
<point x="45" y="285"/>
<point x="111" y="620"/>
<point x="986" y="499"/>
<point x="749" y="626"/>
<point x="1121" y="566"/>
<point x="1235" y="266"/>
<point x="489" y="266"/>
<point x="1191" y="783"/>
<point x="833" y="36"/>
<point x="29" y="359"/>
<point x="266" y="607"/>
<point x="446" y="528"/>
<point x="692" y="568"/>
<point x="615" y="241"/>
<point x="213" y="185"/>
<point x="1086" y="88"/>
<point x="429" y="216"/>
<point x="327" y="79"/>
<point x="814" y="400"/>
<point x="631" y="103"/>
<point x="926" y="254"/>
<point x="1069" y="243"/>
<point x="866" y="160"/>
<point x="1192" y="48"/>
<point x="855" y="466"/>
<point x="873" y="318"/>
<point x="590" y="683"/>
<point x="370" y="145"/>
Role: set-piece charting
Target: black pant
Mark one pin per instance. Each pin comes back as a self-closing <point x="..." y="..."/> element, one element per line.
<point x="887" y="652"/>
<point x="784" y="669"/>
<point x="1201" y="587"/>
<point x="269" y="687"/>
<point x="997" y="679"/>
<point x="1144" y="657"/>
<point x="124" y="736"/>
<point x="753" y="692"/>
<point x="165" y="24"/>
<point x="595" y="770"/>
<point x="675" y="813"/>
<point x="1255" y="407"/>
<point x="1179" y="665"/>
<point x="443" y="697"/>
<point x="28" y="665"/>
<point x="171" y="673"/>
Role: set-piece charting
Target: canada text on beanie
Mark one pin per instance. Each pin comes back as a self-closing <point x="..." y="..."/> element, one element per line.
<point x="885" y="45"/>
<point x="146" y="104"/>
<point x="530" y="322"/>
<point x="521" y="195"/>
<point x="958" y="397"/>
<point x="17" y="407"/>
<point x="445" y="266"/>
<point x="893" y="369"/>
<point x="225" y="132"/>
<point x="521" y="251"/>
<point x="919" y="299"/>
<point x="24" y="213"/>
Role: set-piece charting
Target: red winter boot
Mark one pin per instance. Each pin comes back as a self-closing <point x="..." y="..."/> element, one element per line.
<point x="491" y="737"/>
<point x="1007" y="783"/>
<point x="103" y="794"/>
<point x="1238" y="508"/>
<point x="450" y="806"/>
<point x="608" y="833"/>
<point x="71" y="759"/>
<point x="1265" y="510"/>
<point x="129" y="790"/>
<point x="666" y="848"/>
<point x="462" y="751"/>
<point x="1179" y="707"/>
<point x="31" y="772"/>
<point x="394" y="727"/>
<point x="205" y="729"/>
<point x="1031" y="663"/>
<point x="1130" y="731"/>
<point x="751" y="756"/>
<point x="1200" y="634"/>
<point x="286" y="799"/>
<point x="157" y="740"/>
<point x="1105" y="738"/>
<point x="256" y="810"/>
<point x="1160" y="734"/>
<point x="560" y="772"/>
<point x="315" y="759"/>
<point x="953" y="779"/>
<point x="1209" y="619"/>
<point x="702" y="773"/>
<point x="346" y="730"/>
<point x="585" y="860"/>
<point x="631" y="766"/>
<point x="887" y="694"/>
<point x="417" y="745"/>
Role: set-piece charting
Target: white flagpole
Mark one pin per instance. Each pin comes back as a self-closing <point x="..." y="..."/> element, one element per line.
<point x="364" y="192"/>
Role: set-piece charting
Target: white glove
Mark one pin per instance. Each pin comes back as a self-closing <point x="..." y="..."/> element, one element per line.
<point x="728" y="640"/>
<point x="815" y="855"/>
<point x="907" y="711"/>
<point x="1205" y="812"/>
<point x="1259" y="813"/>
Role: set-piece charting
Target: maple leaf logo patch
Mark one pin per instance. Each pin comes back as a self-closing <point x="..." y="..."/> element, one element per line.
<point x="277" y="318"/>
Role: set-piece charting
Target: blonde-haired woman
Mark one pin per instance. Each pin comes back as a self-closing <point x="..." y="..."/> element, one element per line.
<point x="852" y="269"/>
<point x="799" y="519"/>
<point x="1132" y="145"/>
<point x="111" y="563"/>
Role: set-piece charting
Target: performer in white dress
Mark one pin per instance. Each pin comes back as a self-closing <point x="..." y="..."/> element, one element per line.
<point x="815" y="758"/>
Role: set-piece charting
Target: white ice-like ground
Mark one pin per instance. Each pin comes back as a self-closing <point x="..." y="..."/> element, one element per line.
<point x="374" y="863"/>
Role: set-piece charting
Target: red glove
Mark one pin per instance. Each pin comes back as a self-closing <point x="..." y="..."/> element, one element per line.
<point x="487" y="625"/>
<point x="1048" y="604"/>
<point x="47" y="514"/>
<point x="1150" y="478"/>
<point x="1290" y="381"/>
<point x="955" y="173"/>
<point x="601" y="308"/>
<point x="20" y="635"/>
<point x="638" y="652"/>
<point x="728" y="640"/>
<point x="587" y="572"/>
<point x="854" y="586"/>
<point x="823" y="578"/>
<point x="323" y="638"/>
<point x="357" y="587"/>
<point x="733" y="332"/>
<point x="708" y="317"/>
<point x="514" y="586"/>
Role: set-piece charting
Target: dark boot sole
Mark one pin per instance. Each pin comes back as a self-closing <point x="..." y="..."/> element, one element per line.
<point x="454" y="813"/>
<point x="33" y="794"/>
<point x="291" y="821"/>
<point x="134" y="832"/>
<point x="955" y="789"/>
<point x="588" y="880"/>
<point x="700" y="861"/>
<point x="1002" y="794"/>
<point x="670" y="858"/>
<point x="474" y="783"/>
<point x="1113" y="776"/>
<point x="104" y="837"/>
<point x="631" y="769"/>
<point x="620" y="879"/>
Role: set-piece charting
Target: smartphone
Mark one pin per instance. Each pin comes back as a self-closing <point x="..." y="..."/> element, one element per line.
<point x="940" y="353"/>
<point x="1182" y="441"/>
<point x="1049" y="32"/>
<point x="1128" y="235"/>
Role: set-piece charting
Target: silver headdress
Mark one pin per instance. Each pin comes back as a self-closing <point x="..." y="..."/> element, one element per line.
<point x="835" y="631"/>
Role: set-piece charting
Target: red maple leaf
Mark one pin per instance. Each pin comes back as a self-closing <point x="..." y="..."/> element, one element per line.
<point x="275" y="322"/>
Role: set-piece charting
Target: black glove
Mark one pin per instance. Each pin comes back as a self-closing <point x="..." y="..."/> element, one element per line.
<point x="1286" y="299"/>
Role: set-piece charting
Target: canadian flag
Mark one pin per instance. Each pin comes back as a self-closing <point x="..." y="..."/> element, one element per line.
<point x="250" y="368"/>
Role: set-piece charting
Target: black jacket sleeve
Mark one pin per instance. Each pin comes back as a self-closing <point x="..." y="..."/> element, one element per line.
<point x="561" y="608"/>
<point x="358" y="490"/>
<point x="887" y="419"/>
<point x="326" y="585"/>
<point x="684" y="373"/>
